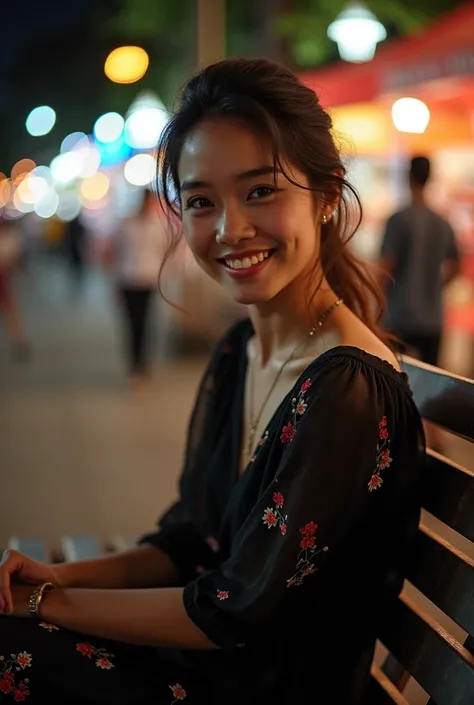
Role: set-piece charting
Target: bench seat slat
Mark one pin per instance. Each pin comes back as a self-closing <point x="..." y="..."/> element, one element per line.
<point x="444" y="575"/>
<point x="80" y="548"/>
<point x="440" y="665"/>
<point x="382" y="691"/>
<point x="448" y="493"/>
<point x="32" y="547"/>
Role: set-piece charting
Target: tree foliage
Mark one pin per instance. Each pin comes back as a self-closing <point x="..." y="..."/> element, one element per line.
<point x="68" y="67"/>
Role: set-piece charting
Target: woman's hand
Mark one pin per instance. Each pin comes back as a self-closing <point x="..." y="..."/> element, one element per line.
<point x="21" y="599"/>
<point x="18" y="568"/>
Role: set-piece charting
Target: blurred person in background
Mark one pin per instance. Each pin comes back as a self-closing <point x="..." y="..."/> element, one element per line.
<point x="138" y="254"/>
<point x="75" y="246"/>
<point x="300" y="489"/>
<point x="10" y="262"/>
<point x="419" y="256"/>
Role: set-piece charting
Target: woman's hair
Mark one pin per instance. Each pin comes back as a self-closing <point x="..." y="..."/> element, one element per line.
<point x="270" y="100"/>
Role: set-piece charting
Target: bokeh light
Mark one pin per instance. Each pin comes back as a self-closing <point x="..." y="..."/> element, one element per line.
<point x="69" y="206"/>
<point x="66" y="167"/>
<point x="74" y="140"/>
<point x="126" y="64"/>
<point x="48" y="205"/>
<point x="32" y="189"/>
<point x="40" y="121"/>
<point x="20" y="204"/>
<point x="410" y="115"/>
<point x="95" y="187"/>
<point x="108" y="127"/>
<point x="22" y="167"/>
<point x="140" y="170"/>
<point x="6" y="192"/>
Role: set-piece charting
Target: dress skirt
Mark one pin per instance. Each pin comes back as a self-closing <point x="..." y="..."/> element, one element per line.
<point x="42" y="663"/>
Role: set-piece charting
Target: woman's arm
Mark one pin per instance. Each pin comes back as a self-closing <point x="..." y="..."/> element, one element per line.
<point x="141" y="567"/>
<point x="151" y="617"/>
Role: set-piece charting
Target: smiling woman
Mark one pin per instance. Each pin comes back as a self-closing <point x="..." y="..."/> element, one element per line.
<point x="300" y="486"/>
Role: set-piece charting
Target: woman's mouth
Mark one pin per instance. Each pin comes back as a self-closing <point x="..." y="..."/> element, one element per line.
<point x="247" y="264"/>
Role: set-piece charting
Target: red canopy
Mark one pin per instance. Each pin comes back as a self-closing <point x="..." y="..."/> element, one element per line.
<point x="444" y="49"/>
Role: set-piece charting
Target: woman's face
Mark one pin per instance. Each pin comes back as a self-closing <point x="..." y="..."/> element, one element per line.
<point x="253" y="234"/>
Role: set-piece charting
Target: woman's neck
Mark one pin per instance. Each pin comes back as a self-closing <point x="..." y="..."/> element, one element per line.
<point x="284" y="323"/>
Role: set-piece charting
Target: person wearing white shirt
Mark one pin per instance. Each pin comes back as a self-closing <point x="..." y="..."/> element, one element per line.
<point x="140" y="247"/>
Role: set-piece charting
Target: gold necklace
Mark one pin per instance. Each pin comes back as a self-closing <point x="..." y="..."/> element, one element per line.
<point x="254" y="424"/>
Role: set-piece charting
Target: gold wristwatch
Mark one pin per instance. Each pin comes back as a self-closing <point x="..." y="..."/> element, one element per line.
<point x="37" y="596"/>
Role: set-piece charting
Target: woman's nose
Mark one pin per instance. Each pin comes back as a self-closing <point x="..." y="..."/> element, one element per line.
<point x="234" y="226"/>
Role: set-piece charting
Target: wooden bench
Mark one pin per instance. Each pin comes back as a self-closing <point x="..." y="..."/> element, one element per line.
<point x="429" y="633"/>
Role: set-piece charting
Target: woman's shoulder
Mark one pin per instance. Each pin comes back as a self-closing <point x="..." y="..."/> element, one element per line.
<point x="347" y="362"/>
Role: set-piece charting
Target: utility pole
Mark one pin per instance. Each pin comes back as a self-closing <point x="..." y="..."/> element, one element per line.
<point x="211" y="31"/>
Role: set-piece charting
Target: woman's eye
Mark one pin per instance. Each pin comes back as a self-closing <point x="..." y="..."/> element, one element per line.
<point x="197" y="203"/>
<point x="261" y="192"/>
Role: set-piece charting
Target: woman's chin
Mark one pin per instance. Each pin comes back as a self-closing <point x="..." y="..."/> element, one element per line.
<point x="249" y="297"/>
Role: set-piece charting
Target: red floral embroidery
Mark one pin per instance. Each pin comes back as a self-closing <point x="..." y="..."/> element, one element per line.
<point x="278" y="499"/>
<point x="178" y="693"/>
<point x="48" y="626"/>
<point x="298" y="408"/>
<point x="309" y="549"/>
<point x="222" y="594"/>
<point x="273" y="516"/>
<point x="100" y="655"/>
<point x="85" y="650"/>
<point x="18" y="662"/>
<point x="288" y="433"/>
<point x="23" y="660"/>
<point x="383" y="458"/>
<point x="104" y="663"/>
<point x="305" y="386"/>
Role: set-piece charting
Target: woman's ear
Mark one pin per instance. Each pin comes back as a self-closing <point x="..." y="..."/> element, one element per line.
<point x="332" y="196"/>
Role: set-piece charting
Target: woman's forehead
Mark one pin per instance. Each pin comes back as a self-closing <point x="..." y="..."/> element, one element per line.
<point x="222" y="147"/>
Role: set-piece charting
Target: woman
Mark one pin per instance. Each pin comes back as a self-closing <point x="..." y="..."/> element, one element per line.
<point x="268" y="578"/>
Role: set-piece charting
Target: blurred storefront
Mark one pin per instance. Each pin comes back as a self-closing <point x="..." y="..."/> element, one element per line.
<point x="435" y="66"/>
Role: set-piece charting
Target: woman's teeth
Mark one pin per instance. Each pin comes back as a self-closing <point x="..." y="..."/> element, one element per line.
<point x="247" y="262"/>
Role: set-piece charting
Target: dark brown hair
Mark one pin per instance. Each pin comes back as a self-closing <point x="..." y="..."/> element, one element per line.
<point x="270" y="100"/>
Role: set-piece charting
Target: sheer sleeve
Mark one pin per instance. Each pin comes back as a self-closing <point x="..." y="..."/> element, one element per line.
<point x="178" y="534"/>
<point x="331" y="505"/>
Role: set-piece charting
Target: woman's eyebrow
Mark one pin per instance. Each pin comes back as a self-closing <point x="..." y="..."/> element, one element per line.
<point x="251" y="173"/>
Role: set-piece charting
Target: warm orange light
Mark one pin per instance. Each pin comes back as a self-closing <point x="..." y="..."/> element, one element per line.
<point x="95" y="187"/>
<point x="6" y="192"/>
<point x="23" y="166"/>
<point x="126" y="64"/>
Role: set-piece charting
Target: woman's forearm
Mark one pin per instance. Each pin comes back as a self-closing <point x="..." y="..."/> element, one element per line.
<point x="151" y="617"/>
<point x="141" y="567"/>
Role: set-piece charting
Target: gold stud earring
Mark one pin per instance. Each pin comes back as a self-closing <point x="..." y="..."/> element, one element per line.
<point x="324" y="219"/>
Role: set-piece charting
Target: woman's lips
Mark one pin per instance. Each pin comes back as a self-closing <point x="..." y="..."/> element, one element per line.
<point x="246" y="271"/>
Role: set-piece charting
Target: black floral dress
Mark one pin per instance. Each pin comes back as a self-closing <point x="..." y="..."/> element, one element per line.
<point x="287" y="568"/>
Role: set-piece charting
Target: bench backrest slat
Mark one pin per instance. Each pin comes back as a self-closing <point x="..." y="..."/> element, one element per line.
<point x="419" y="642"/>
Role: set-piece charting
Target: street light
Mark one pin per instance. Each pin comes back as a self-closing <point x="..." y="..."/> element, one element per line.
<point x="126" y="64"/>
<point x="356" y="30"/>
<point x="410" y="115"/>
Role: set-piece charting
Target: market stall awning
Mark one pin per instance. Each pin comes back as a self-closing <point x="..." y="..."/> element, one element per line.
<point x="442" y="50"/>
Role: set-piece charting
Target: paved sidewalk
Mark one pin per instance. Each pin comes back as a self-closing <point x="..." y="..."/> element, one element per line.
<point x="78" y="451"/>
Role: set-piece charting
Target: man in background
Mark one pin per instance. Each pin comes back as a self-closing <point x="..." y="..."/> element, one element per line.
<point x="420" y="256"/>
